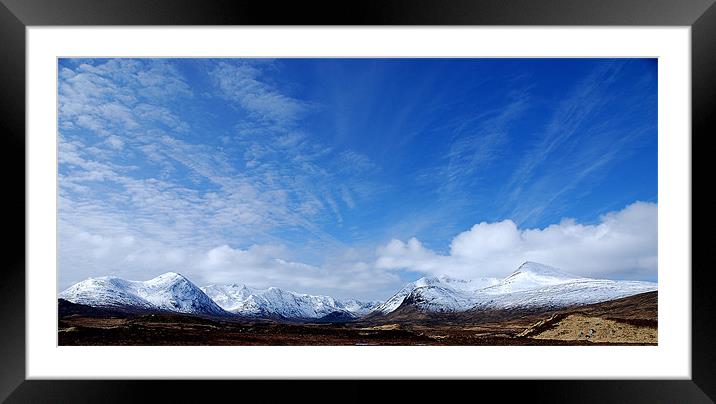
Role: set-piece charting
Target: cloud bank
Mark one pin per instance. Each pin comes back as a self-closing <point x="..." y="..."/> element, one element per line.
<point x="622" y="242"/>
<point x="260" y="265"/>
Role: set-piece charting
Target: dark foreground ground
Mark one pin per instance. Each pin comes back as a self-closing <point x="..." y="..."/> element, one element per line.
<point x="627" y="321"/>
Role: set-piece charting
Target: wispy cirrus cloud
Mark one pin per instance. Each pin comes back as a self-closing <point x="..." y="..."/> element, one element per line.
<point x="240" y="82"/>
<point x="571" y="143"/>
<point x="477" y="142"/>
<point x="586" y="99"/>
<point x="129" y="170"/>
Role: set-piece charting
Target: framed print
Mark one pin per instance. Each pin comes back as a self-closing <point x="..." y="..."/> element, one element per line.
<point x="442" y="191"/>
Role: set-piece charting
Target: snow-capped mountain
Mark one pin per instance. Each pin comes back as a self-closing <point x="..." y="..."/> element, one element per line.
<point x="437" y="293"/>
<point x="532" y="285"/>
<point x="530" y="275"/>
<point x="167" y="292"/>
<point x="247" y="301"/>
<point x="359" y="308"/>
<point x="572" y="293"/>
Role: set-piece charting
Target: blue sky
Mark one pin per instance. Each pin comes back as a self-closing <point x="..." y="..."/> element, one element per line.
<point x="353" y="176"/>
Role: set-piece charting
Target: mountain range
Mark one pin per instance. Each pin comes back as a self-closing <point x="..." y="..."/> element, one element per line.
<point x="274" y="302"/>
<point x="531" y="286"/>
<point x="172" y="292"/>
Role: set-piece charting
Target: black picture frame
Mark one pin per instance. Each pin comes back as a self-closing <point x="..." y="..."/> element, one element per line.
<point x="16" y="15"/>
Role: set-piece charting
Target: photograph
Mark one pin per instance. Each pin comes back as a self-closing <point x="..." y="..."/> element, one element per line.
<point x="222" y="197"/>
<point x="357" y="201"/>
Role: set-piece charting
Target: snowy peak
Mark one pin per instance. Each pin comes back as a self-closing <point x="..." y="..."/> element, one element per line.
<point x="246" y="301"/>
<point x="166" y="279"/>
<point x="359" y="308"/>
<point x="441" y="293"/>
<point x="447" y="282"/>
<point x="396" y="300"/>
<point x="229" y="297"/>
<point x="541" y="270"/>
<point x="167" y="292"/>
<point x="175" y="293"/>
<point x="531" y="275"/>
<point x="532" y="285"/>
<point x="106" y="291"/>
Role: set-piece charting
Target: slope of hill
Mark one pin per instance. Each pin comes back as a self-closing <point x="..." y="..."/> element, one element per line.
<point x="632" y="319"/>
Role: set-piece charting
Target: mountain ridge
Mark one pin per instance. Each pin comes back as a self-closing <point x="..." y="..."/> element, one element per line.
<point x="167" y="292"/>
<point x="253" y="302"/>
<point x="531" y="286"/>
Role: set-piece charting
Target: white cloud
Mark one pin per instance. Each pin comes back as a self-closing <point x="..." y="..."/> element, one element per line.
<point x="262" y="265"/>
<point x="115" y="142"/>
<point x="194" y="191"/>
<point x="240" y="83"/>
<point x="623" y="242"/>
<point x="106" y="98"/>
<point x="271" y="265"/>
